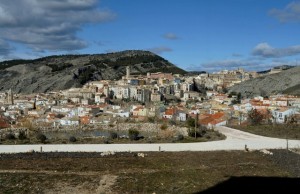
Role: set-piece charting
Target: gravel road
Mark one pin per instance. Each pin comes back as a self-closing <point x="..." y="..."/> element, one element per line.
<point x="236" y="140"/>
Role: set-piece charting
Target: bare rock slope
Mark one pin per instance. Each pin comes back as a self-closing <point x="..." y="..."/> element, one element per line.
<point x="287" y="82"/>
<point x="62" y="72"/>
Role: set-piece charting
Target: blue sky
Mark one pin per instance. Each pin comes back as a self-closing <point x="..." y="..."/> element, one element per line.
<point x="207" y="35"/>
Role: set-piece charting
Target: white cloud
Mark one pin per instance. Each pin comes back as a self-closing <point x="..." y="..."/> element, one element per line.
<point x="291" y="13"/>
<point x="267" y="51"/>
<point x="170" y="36"/>
<point x="160" y="50"/>
<point x="49" y="24"/>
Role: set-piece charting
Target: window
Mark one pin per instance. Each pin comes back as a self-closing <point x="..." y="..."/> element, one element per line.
<point x="280" y="115"/>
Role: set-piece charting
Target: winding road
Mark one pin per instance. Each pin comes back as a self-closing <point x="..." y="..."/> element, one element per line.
<point x="236" y="140"/>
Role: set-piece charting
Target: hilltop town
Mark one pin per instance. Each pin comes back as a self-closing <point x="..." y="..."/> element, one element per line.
<point x="165" y="98"/>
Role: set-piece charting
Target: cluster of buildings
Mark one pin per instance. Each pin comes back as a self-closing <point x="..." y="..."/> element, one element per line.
<point x="153" y="96"/>
<point x="224" y="79"/>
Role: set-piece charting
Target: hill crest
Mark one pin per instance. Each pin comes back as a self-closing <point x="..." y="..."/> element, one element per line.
<point x="54" y="73"/>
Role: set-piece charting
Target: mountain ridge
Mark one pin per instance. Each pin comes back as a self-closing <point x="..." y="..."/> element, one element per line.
<point x="61" y="72"/>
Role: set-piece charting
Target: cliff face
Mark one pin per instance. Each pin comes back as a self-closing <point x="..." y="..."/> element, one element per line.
<point x="287" y="82"/>
<point x="62" y="72"/>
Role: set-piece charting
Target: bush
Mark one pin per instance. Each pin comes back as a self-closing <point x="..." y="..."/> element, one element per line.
<point x="151" y="119"/>
<point x="41" y="137"/>
<point x="113" y="135"/>
<point x="199" y="133"/>
<point x="22" y="135"/>
<point x="190" y="122"/>
<point x="179" y="137"/>
<point x="133" y="134"/>
<point x="164" y="126"/>
<point x="72" y="139"/>
<point x="10" y="136"/>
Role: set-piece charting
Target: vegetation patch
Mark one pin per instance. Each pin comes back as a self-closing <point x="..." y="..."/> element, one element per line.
<point x="277" y="130"/>
<point x="160" y="172"/>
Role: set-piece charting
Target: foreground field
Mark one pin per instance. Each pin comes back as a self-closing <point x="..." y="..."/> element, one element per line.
<point x="277" y="131"/>
<point x="161" y="172"/>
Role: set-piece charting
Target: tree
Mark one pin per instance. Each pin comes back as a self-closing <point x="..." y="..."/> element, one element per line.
<point x="113" y="135"/>
<point x="10" y="136"/>
<point x="22" y="135"/>
<point x="133" y="134"/>
<point x="72" y="139"/>
<point x="164" y="126"/>
<point x="41" y="137"/>
<point x="255" y="117"/>
<point x="190" y="122"/>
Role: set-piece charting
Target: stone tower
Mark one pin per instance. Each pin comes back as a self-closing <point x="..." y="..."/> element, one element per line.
<point x="127" y="72"/>
<point x="10" y="97"/>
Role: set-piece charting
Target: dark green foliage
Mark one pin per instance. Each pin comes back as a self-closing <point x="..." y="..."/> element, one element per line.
<point x="151" y="119"/>
<point x="10" y="136"/>
<point x="85" y="75"/>
<point x="164" y="126"/>
<point x="146" y="61"/>
<point x="59" y="67"/>
<point x="190" y="122"/>
<point x="113" y="135"/>
<point x="179" y="137"/>
<point x="41" y="137"/>
<point x="199" y="133"/>
<point x="72" y="139"/>
<point x="133" y="134"/>
<point x="7" y="64"/>
<point x="22" y="135"/>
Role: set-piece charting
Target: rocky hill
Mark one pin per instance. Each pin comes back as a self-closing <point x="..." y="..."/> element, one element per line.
<point x="287" y="82"/>
<point x="66" y="71"/>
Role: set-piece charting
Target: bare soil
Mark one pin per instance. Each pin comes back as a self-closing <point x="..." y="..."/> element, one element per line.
<point x="159" y="172"/>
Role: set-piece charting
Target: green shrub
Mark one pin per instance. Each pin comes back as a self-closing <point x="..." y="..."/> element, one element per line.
<point x="72" y="139"/>
<point x="190" y="122"/>
<point x="22" y="135"/>
<point x="179" y="137"/>
<point x="133" y="134"/>
<point x="106" y="141"/>
<point x="41" y="137"/>
<point x="10" y="136"/>
<point x="164" y="126"/>
<point x="113" y="135"/>
<point x="199" y="133"/>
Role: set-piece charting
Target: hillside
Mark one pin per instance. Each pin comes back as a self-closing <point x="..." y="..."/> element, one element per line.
<point x="66" y="71"/>
<point x="287" y="82"/>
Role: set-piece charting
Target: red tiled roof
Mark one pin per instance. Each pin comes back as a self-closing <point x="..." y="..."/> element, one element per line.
<point x="170" y="111"/>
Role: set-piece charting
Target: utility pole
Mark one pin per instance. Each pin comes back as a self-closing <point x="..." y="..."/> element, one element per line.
<point x="196" y="124"/>
<point x="118" y="128"/>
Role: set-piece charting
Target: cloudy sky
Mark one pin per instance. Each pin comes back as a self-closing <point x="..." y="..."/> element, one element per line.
<point x="194" y="34"/>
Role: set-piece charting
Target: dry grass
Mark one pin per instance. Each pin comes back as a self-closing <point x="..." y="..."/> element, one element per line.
<point x="278" y="131"/>
<point x="180" y="172"/>
<point x="166" y="136"/>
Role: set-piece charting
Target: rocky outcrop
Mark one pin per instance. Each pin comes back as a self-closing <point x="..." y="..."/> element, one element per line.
<point x="287" y="81"/>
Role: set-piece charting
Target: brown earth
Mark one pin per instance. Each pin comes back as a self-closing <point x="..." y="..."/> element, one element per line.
<point x="162" y="172"/>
